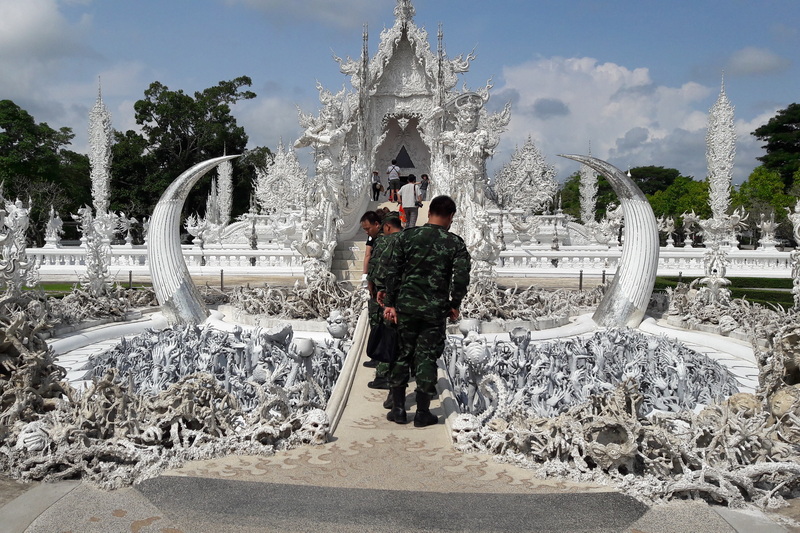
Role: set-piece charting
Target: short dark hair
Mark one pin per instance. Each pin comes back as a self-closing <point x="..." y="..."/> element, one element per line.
<point x="372" y="217"/>
<point x="442" y="206"/>
<point x="411" y="178"/>
<point x="394" y="161"/>
<point x="393" y="219"/>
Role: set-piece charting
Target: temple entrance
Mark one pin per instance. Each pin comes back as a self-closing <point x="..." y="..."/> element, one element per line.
<point x="402" y="141"/>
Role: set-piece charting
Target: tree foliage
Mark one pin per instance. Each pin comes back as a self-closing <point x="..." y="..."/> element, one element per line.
<point x="682" y="196"/>
<point x="35" y="164"/>
<point x="178" y="131"/>
<point x="782" y="137"/>
<point x="652" y="179"/>
<point x="762" y="194"/>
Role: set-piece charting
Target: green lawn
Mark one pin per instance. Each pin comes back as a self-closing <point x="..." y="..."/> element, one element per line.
<point x="60" y="288"/>
<point x="765" y="291"/>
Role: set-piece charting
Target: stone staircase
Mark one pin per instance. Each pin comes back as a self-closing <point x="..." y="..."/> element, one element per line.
<point x="348" y="260"/>
<point x="348" y="257"/>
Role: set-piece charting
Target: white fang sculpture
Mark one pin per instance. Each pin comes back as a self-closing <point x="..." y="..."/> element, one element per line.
<point x="180" y="301"/>
<point x="626" y="300"/>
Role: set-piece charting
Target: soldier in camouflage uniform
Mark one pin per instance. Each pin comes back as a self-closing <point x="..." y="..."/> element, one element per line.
<point x="426" y="279"/>
<point x="376" y="274"/>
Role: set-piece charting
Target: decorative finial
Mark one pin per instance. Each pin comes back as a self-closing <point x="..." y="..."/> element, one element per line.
<point x="404" y="12"/>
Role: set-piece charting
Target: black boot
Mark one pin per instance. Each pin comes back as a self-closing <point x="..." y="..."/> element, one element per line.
<point x="398" y="412"/>
<point x="371" y="363"/>
<point x="379" y="382"/>
<point x="388" y="402"/>
<point x="424" y="417"/>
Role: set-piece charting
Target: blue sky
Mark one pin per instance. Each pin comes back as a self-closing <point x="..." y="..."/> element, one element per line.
<point x="633" y="78"/>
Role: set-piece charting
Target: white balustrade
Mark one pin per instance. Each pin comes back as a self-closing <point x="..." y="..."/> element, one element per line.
<point x="517" y="261"/>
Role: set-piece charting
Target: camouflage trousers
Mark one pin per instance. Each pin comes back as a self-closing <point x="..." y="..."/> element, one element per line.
<point x="375" y="317"/>
<point x="420" y="343"/>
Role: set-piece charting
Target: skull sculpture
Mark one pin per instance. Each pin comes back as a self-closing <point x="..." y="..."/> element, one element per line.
<point x="466" y="433"/>
<point x="315" y="427"/>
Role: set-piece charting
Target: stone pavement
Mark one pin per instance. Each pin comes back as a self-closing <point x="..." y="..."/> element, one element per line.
<point x="373" y="476"/>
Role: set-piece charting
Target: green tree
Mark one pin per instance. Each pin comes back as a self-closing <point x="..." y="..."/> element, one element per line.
<point x="653" y="179"/>
<point x="782" y="137"/>
<point x="682" y="196"/>
<point x="178" y="131"/>
<point x="571" y="195"/>
<point x="650" y="179"/>
<point x="35" y="164"/>
<point x="762" y="194"/>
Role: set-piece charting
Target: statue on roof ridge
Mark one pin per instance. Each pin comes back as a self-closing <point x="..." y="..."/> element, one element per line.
<point x="404" y="11"/>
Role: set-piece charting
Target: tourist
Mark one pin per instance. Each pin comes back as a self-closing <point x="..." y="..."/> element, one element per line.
<point x="371" y="224"/>
<point x="377" y="186"/>
<point x="427" y="276"/>
<point x="376" y="282"/>
<point x="410" y="200"/>
<point x="394" y="180"/>
<point x="423" y="187"/>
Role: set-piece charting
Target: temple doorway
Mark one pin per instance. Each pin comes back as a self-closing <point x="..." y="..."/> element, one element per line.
<point x="402" y="141"/>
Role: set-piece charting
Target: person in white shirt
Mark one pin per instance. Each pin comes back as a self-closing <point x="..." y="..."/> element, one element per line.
<point x="409" y="197"/>
<point x="394" y="180"/>
<point x="376" y="185"/>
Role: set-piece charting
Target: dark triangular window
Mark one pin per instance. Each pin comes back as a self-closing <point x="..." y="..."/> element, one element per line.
<point x="404" y="160"/>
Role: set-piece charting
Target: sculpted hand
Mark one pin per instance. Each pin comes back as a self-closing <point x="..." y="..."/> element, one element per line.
<point x="390" y="314"/>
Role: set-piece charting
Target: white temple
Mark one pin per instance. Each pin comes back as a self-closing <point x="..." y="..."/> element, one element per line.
<point x="403" y="106"/>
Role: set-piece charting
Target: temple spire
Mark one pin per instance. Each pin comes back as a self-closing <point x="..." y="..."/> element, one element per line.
<point x="720" y="152"/>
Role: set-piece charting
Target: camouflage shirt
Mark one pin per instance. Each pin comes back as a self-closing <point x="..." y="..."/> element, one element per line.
<point x="376" y="268"/>
<point x="427" y="273"/>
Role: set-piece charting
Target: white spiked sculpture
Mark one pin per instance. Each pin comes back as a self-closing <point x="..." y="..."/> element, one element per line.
<point x="626" y="301"/>
<point x="100" y="142"/>
<point x="588" y="191"/>
<point x="720" y="151"/>
<point x="180" y="300"/>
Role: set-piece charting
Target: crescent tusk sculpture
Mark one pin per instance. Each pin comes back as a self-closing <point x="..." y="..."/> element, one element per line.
<point x="180" y="300"/>
<point x="626" y="301"/>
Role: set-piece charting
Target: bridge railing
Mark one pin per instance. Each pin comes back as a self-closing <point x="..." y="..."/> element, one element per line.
<point x="517" y="261"/>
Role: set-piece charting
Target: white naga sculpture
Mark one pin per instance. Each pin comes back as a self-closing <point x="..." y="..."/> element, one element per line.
<point x="607" y="230"/>
<point x="626" y="301"/>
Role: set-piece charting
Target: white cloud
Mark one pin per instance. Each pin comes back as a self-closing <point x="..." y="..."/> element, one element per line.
<point x="268" y="121"/>
<point x="326" y="11"/>
<point x="628" y="119"/>
<point x="753" y="61"/>
<point x="35" y="41"/>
